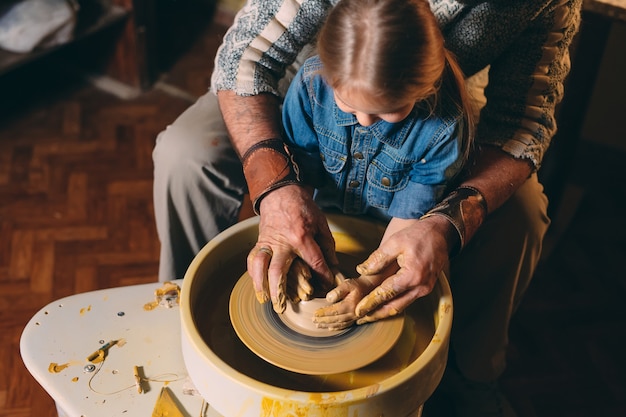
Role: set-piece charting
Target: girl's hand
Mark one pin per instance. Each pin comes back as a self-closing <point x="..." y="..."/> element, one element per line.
<point x="405" y="267"/>
<point x="345" y="298"/>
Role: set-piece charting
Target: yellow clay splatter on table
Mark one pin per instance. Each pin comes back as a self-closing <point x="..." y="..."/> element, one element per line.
<point x="97" y="356"/>
<point x="84" y="310"/>
<point x="167" y="296"/>
<point x="55" y="368"/>
<point x="75" y="379"/>
<point x="166" y="405"/>
<point x="151" y="305"/>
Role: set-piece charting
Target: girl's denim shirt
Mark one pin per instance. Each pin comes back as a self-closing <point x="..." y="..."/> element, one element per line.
<point x="384" y="170"/>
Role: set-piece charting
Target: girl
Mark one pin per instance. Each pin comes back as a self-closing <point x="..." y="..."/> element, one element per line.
<point x="379" y="121"/>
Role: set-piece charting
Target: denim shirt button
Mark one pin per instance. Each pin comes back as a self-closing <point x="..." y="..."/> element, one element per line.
<point x="358" y="155"/>
<point x="385" y="181"/>
<point x="354" y="184"/>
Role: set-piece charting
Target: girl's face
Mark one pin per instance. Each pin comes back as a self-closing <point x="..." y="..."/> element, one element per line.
<point x="368" y="110"/>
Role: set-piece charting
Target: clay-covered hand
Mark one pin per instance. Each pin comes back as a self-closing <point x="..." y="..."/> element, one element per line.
<point x="345" y="298"/>
<point x="420" y="250"/>
<point x="291" y="226"/>
<point x="299" y="286"/>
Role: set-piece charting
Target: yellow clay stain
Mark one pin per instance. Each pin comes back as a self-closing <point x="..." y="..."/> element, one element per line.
<point x="150" y="306"/>
<point x="166" y="405"/>
<point x="55" y="368"/>
<point x="84" y="310"/>
<point x="97" y="356"/>
<point x="75" y="379"/>
<point x="321" y="408"/>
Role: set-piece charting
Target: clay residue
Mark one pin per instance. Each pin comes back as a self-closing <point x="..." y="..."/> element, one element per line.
<point x="270" y="408"/>
<point x="166" y="405"/>
<point x="167" y="296"/>
<point x="84" y="310"/>
<point x="55" y="368"/>
<point x="100" y="354"/>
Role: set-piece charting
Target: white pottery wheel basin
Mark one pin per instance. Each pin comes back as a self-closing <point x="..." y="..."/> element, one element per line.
<point x="237" y="383"/>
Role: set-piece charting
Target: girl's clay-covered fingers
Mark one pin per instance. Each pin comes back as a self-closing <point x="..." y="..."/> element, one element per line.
<point x="299" y="282"/>
<point x="339" y="276"/>
<point x="295" y="294"/>
<point x="333" y="310"/>
<point x="335" y="322"/>
<point x="340" y="325"/>
<point x="338" y="293"/>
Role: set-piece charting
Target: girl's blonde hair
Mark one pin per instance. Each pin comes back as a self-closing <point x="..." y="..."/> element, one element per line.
<point x="393" y="50"/>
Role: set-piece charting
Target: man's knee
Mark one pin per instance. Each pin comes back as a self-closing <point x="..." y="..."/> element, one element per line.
<point x="194" y="142"/>
<point x="490" y="276"/>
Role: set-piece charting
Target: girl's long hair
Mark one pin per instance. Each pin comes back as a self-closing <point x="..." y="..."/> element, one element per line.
<point x="393" y="50"/>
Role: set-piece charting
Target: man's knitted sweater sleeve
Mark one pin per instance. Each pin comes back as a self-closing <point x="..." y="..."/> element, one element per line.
<point x="265" y="39"/>
<point x="526" y="46"/>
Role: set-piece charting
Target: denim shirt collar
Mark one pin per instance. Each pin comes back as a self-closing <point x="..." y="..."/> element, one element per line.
<point x="392" y="134"/>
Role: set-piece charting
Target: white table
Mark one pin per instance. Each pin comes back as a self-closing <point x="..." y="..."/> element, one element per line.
<point x="66" y="332"/>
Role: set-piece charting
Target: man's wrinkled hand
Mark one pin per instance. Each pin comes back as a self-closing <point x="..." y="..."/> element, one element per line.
<point x="419" y="251"/>
<point x="291" y="227"/>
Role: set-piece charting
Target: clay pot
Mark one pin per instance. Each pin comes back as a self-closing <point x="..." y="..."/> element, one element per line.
<point x="237" y="383"/>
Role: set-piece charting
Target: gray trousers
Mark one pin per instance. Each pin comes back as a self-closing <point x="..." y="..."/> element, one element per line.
<point x="199" y="188"/>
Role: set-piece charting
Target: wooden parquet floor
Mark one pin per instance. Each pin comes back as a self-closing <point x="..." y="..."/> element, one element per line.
<point x="76" y="215"/>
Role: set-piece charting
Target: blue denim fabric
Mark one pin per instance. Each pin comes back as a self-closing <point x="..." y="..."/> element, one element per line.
<point x="386" y="169"/>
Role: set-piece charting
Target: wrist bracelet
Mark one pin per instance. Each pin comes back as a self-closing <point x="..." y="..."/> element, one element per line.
<point x="273" y="167"/>
<point x="465" y="208"/>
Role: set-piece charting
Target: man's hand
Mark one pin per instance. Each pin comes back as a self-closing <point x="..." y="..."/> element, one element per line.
<point x="291" y="226"/>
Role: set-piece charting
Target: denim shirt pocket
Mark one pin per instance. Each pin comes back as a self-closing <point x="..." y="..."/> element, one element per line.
<point x="334" y="163"/>
<point x="383" y="183"/>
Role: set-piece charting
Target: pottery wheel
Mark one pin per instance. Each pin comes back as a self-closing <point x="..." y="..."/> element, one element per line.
<point x="273" y="339"/>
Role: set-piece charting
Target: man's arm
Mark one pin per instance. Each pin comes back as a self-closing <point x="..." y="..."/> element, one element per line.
<point x="496" y="174"/>
<point x="291" y="224"/>
<point x="249" y="119"/>
<point x="492" y="176"/>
